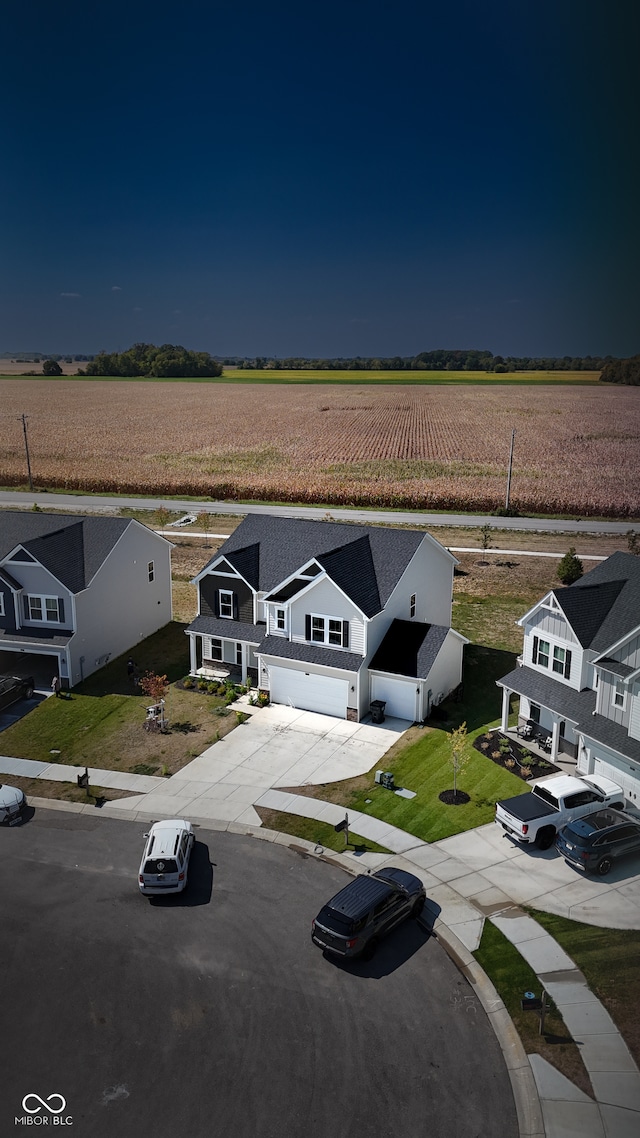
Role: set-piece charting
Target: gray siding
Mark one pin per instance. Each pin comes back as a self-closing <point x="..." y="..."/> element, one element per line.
<point x="209" y="586"/>
<point x="629" y="654"/>
<point x="7" y="621"/>
<point x="552" y="623"/>
<point x="606" y="706"/>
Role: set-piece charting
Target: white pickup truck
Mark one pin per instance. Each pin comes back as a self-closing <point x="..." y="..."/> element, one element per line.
<point x="535" y="818"/>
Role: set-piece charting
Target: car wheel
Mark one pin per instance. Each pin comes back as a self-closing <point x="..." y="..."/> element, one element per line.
<point x="418" y="906"/>
<point x="29" y="693"/>
<point x="545" y="838"/>
<point x="370" y="950"/>
<point x="604" y="866"/>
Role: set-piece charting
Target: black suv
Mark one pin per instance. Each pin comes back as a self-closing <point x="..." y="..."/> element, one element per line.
<point x="13" y="688"/>
<point x="594" y="842"/>
<point x="352" y="922"/>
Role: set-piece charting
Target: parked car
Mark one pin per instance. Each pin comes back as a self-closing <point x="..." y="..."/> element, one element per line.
<point x="594" y="843"/>
<point x="12" y="803"/>
<point x="13" y="688"/>
<point x="352" y="923"/>
<point x="165" y="860"/>
<point x="536" y="817"/>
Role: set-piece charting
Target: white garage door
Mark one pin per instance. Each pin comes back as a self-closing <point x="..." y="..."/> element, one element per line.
<point x="313" y="693"/>
<point x="400" y="696"/>
<point x="621" y="775"/>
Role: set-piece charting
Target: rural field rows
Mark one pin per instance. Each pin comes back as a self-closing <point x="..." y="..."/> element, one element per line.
<point x="576" y="447"/>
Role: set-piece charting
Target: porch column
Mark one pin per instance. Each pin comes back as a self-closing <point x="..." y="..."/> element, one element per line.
<point x="505" y="708"/>
<point x="555" y="735"/>
<point x="193" y="658"/>
<point x="245" y="653"/>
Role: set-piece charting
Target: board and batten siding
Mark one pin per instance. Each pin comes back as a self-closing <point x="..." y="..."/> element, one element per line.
<point x="605" y="704"/>
<point x="634" y="712"/>
<point x="629" y="654"/>
<point x="576" y="679"/>
<point x="546" y="621"/>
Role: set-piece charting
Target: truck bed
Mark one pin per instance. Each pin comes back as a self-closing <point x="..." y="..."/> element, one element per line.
<point x="525" y="807"/>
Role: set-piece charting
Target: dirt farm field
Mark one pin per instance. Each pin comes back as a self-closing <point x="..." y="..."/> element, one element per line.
<point x="577" y="448"/>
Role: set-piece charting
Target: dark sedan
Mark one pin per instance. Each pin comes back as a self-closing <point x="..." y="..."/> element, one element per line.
<point x="13" y="688"/>
<point x="595" y="842"/>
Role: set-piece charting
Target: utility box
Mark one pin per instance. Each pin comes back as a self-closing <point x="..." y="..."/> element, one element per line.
<point x="387" y="780"/>
<point x="376" y="707"/>
<point x="379" y="775"/>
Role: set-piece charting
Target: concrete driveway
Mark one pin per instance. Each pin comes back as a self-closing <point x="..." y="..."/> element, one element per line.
<point x="277" y="746"/>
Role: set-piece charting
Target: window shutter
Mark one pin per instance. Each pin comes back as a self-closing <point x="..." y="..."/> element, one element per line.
<point x="216" y="602"/>
<point x="61" y="610"/>
<point x="534" y="658"/>
<point x="235" y="606"/>
<point x="25" y="606"/>
<point x="567" y="664"/>
<point x="307" y="627"/>
<point x="345" y="634"/>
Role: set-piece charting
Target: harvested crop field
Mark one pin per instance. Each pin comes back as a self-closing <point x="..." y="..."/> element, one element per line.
<point x="442" y="447"/>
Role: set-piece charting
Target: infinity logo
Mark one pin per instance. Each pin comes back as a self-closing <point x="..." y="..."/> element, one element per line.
<point x="44" y="1103"/>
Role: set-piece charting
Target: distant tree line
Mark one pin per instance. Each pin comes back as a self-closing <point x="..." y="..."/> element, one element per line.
<point x="440" y="360"/>
<point x="622" y="371"/>
<point x="146" y="360"/>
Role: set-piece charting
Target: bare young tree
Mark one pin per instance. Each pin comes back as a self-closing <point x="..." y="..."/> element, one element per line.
<point x="458" y="753"/>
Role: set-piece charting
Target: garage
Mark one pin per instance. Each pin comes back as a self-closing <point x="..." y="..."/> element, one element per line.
<point x="307" y="690"/>
<point x="399" y="695"/>
<point x="623" y="773"/>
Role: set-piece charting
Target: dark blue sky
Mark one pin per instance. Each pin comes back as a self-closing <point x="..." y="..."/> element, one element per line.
<point x="354" y="178"/>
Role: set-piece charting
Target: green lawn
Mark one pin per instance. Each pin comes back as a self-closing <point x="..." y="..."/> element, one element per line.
<point x="403" y="378"/>
<point x="319" y="832"/>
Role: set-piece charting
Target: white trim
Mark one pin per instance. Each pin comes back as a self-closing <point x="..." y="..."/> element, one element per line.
<point x="228" y="603"/>
<point x="617" y="685"/>
<point x="2" y="612"/>
<point x="326" y="643"/>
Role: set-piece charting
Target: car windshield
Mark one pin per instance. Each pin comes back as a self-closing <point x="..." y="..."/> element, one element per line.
<point x="160" y="865"/>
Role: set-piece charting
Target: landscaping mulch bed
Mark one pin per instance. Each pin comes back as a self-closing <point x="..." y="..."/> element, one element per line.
<point x="517" y="758"/>
<point x="454" y="797"/>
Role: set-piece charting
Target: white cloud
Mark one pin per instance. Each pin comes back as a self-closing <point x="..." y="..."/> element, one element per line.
<point x="116" y="288"/>
<point x="69" y="294"/>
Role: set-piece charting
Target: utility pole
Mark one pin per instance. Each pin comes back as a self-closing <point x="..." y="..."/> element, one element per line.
<point x="513" y="435"/>
<point x="23" y="420"/>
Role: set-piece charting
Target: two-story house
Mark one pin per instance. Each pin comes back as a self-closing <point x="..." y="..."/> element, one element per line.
<point x="76" y="591"/>
<point x="329" y="617"/>
<point x="579" y="679"/>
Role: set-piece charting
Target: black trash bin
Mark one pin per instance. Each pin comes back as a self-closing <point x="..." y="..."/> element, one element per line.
<point x="376" y="707"/>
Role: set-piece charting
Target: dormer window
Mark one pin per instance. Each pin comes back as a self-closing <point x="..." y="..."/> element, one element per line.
<point x="281" y="620"/>
<point x="225" y="600"/>
<point x="412" y="606"/>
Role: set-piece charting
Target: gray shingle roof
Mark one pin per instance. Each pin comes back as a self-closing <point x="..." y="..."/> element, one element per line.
<point x="310" y="653"/>
<point x="228" y="629"/>
<point x="604" y="605"/>
<point x="409" y="648"/>
<point x="603" y="730"/>
<point x="72" y="548"/>
<point x="29" y="640"/>
<point x="365" y="561"/>
<point x="552" y="694"/>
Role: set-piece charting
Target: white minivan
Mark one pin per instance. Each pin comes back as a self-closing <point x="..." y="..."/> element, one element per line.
<point x="165" y="861"/>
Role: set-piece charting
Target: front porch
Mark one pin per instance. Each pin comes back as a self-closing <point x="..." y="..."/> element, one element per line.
<point x="543" y="733"/>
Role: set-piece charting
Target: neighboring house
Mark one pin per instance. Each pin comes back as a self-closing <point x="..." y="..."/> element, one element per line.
<point x="329" y="617"/>
<point x="77" y="591"/>
<point x="579" y="679"/>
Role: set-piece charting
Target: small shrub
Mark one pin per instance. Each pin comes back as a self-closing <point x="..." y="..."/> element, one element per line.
<point x="526" y="772"/>
<point x="222" y="711"/>
<point x="496" y="754"/>
<point x="241" y="717"/>
<point x="510" y="763"/>
<point x="263" y="699"/>
<point x="484" y="745"/>
<point x="187" y="683"/>
<point x="164" y="772"/>
<point x="505" y="749"/>
<point x="144" y="768"/>
<point x="212" y="689"/>
<point x="202" y="685"/>
<point x="253" y="700"/>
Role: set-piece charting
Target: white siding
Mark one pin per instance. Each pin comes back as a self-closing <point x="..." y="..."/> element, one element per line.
<point x="121" y="607"/>
<point x="429" y="575"/>
<point x="634" y="714"/>
<point x="325" y="599"/>
<point x="575" y="680"/>
<point x="446" y="673"/>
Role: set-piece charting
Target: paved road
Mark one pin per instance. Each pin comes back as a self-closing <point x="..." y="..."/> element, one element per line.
<point x="97" y="502"/>
<point x="212" y="1013"/>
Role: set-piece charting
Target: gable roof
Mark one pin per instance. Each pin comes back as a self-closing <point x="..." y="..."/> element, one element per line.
<point x="366" y="562"/>
<point x="72" y="548"/>
<point x="604" y="605"/>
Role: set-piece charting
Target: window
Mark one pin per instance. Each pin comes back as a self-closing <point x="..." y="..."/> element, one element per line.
<point x="281" y="622"/>
<point x="534" y="713"/>
<point x="49" y="609"/>
<point x="215" y="648"/>
<point x="239" y="655"/>
<point x="1" y="604"/>
<point x="543" y="653"/>
<point x="327" y="630"/>
<point x="618" y="694"/>
<point x="226" y="603"/>
<point x="412" y="606"/>
<point x="562" y="662"/>
<point x="150" y="571"/>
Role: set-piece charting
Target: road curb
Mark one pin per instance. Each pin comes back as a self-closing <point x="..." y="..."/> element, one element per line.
<point x="523" y="1087"/>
